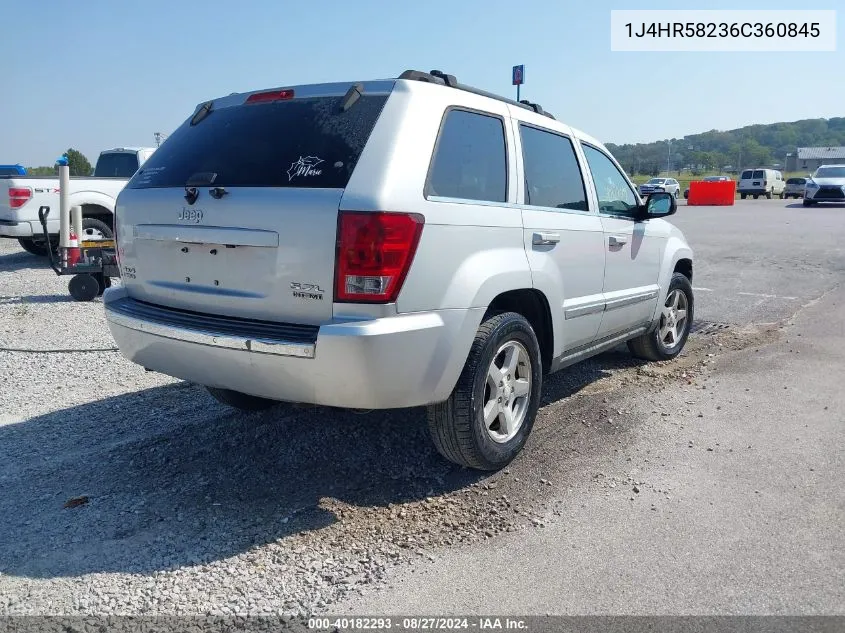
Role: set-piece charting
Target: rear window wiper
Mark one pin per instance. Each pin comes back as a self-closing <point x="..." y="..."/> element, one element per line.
<point x="204" y="111"/>
<point x="351" y="97"/>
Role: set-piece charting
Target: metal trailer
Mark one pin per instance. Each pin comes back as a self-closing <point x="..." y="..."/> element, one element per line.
<point x="91" y="262"/>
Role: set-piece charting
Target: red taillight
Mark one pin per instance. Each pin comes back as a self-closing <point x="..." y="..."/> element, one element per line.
<point x="272" y="95"/>
<point x="374" y="253"/>
<point x="19" y="196"/>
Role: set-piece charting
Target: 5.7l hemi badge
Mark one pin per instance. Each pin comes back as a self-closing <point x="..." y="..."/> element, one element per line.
<point x="306" y="291"/>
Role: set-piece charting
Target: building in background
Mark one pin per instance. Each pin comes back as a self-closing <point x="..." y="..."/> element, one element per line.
<point x="809" y="158"/>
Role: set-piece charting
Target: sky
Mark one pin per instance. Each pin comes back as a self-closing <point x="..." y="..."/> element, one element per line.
<point x="96" y="74"/>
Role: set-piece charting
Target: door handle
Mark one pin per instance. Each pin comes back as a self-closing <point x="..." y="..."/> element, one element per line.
<point x="618" y="240"/>
<point x="540" y="239"/>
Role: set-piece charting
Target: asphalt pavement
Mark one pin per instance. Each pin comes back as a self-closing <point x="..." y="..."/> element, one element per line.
<point x="722" y="494"/>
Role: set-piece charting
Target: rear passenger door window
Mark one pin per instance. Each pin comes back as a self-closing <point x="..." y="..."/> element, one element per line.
<point x="469" y="159"/>
<point x="552" y="176"/>
<point x="612" y="189"/>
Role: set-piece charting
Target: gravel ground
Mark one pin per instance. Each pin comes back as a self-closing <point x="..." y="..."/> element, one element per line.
<point x="178" y="505"/>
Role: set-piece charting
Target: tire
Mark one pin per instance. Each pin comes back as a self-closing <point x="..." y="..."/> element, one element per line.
<point x="35" y="246"/>
<point x="768" y="195"/>
<point x="458" y="427"/>
<point x="782" y="196"/>
<point x="742" y="195"/>
<point x="91" y="227"/>
<point x="83" y="287"/>
<point x="651" y="346"/>
<point x="242" y="401"/>
<point x="103" y="281"/>
<point x="756" y="196"/>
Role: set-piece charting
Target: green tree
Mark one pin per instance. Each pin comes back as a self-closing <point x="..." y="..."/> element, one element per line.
<point x="79" y="165"/>
<point x="41" y="171"/>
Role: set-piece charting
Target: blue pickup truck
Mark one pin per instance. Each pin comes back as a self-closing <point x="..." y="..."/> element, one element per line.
<point x="12" y="170"/>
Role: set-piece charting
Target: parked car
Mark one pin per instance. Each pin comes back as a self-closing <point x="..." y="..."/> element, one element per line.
<point x="706" y="179"/>
<point x="794" y="188"/>
<point x="96" y="195"/>
<point x="12" y="170"/>
<point x="827" y="184"/>
<point x="761" y="182"/>
<point x="669" y="185"/>
<point x="413" y="242"/>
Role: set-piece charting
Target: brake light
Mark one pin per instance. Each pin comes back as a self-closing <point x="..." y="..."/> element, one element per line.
<point x="374" y="253"/>
<point x="272" y="95"/>
<point x="19" y="196"/>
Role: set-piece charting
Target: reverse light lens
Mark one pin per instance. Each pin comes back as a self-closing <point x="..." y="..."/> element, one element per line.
<point x="374" y="253"/>
<point x="19" y="196"/>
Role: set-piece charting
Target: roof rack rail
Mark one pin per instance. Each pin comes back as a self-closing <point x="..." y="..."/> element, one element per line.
<point x="441" y="78"/>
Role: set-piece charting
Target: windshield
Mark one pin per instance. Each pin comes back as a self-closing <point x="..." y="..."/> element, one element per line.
<point x="311" y="142"/>
<point x="830" y="172"/>
<point x="116" y="165"/>
<point x="656" y="181"/>
<point x="795" y="181"/>
<point x="715" y="178"/>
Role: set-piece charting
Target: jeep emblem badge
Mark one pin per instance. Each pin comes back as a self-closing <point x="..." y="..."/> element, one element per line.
<point x="190" y="215"/>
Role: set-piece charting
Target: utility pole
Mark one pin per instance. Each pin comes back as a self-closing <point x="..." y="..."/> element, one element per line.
<point x="669" y="158"/>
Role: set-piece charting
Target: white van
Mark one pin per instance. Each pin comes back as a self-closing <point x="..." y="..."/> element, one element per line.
<point x="761" y="182"/>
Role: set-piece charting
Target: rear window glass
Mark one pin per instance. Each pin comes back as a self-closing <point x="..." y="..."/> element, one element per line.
<point x="746" y="174"/>
<point x="469" y="162"/>
<point x="308" y="143"/>
<point x="795" y="181"/>
<point x="118" y="165"/>
<point x="759" y="173"/>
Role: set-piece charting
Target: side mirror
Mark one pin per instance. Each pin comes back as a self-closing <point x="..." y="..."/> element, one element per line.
<point x="657" y="205"/>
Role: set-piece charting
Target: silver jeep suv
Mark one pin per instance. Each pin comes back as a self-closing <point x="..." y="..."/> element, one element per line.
<point x="393" y="243"/>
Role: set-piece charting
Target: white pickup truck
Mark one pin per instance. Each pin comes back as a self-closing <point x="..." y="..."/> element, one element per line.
<point x="96" y="194"/>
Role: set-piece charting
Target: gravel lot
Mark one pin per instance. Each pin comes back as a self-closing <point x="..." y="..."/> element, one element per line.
<point x="182" y="506"/>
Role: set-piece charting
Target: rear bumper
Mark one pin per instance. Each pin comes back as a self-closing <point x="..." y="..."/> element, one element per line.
<point x="394" y="362"/>
<point x="9" y="228"/>
<point x="754" y="192"/>
<point x="23" y="228"/>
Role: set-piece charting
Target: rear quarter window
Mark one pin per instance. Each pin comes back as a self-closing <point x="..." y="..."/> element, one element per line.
<point x="311" y="143"/>
<point x="469" y="159"/>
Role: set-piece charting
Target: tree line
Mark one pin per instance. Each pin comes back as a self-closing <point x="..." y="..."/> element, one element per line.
<point x="76" y="161"/>
<point x="733" y="150"/>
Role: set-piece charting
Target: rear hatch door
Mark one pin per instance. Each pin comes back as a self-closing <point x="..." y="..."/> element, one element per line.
<point x="236" y="213"/>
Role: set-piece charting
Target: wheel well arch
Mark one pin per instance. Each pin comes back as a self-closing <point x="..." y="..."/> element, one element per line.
<point x="684" y="266"/>
<point x="98" y="211"/>
<point x="534" y="306"/>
